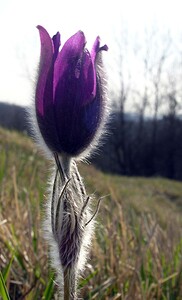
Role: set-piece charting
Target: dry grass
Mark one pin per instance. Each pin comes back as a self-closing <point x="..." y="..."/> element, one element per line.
<point x="137" y="250"/>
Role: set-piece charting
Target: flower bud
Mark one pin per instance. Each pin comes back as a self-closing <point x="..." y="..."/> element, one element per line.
<point x="69" y="100"/>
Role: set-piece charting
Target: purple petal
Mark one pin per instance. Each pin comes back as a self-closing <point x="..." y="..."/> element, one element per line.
<point x="96" y="48"/>
<point x="77" y="125"/>
<point x="69" y="55"/>
<point x="44" y="69"/>
<point x="44" y="90"/>
<point x="77" y="110"/>
<point x="56" y="42"/>
<point x="85" y="79"/>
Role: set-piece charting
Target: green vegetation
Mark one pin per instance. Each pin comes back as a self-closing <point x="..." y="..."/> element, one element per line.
<point x="137" y="251"/>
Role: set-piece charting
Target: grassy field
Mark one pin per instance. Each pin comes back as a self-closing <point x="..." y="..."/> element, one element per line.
<point x="137" y="250"/>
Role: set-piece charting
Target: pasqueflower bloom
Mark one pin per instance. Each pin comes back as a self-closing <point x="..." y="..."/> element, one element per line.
<point x="69" y="104"/>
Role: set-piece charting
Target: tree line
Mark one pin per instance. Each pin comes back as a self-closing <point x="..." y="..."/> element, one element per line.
<point x="146" y="126"/>
<point x="131" y="149"/>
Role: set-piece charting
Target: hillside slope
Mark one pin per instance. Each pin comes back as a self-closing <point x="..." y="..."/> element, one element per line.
<point x="137" y="249"/>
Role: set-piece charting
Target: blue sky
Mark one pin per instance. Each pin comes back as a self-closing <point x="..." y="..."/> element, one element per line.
<point x="19" y="51"/>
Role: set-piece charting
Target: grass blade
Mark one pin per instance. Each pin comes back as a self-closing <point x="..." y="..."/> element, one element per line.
<point x="7" y="269"/>
<point x="48" y="293"/>
<point x="3" y="289"/>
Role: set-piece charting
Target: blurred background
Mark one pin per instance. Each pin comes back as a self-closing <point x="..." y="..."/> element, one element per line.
<point x="143" y="65"/>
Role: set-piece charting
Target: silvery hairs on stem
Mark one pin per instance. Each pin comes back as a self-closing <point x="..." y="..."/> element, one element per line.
<point x="68" y="118"/>
<point x="72" y="224"/>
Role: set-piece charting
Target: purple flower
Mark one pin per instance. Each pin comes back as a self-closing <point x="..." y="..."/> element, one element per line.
<point x="69" y="104"/>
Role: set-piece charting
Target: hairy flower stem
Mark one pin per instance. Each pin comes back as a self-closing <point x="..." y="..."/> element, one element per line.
<point x="69" y="285"/>
<point x="71" y="223"/>
<point x="63" y="165"/>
